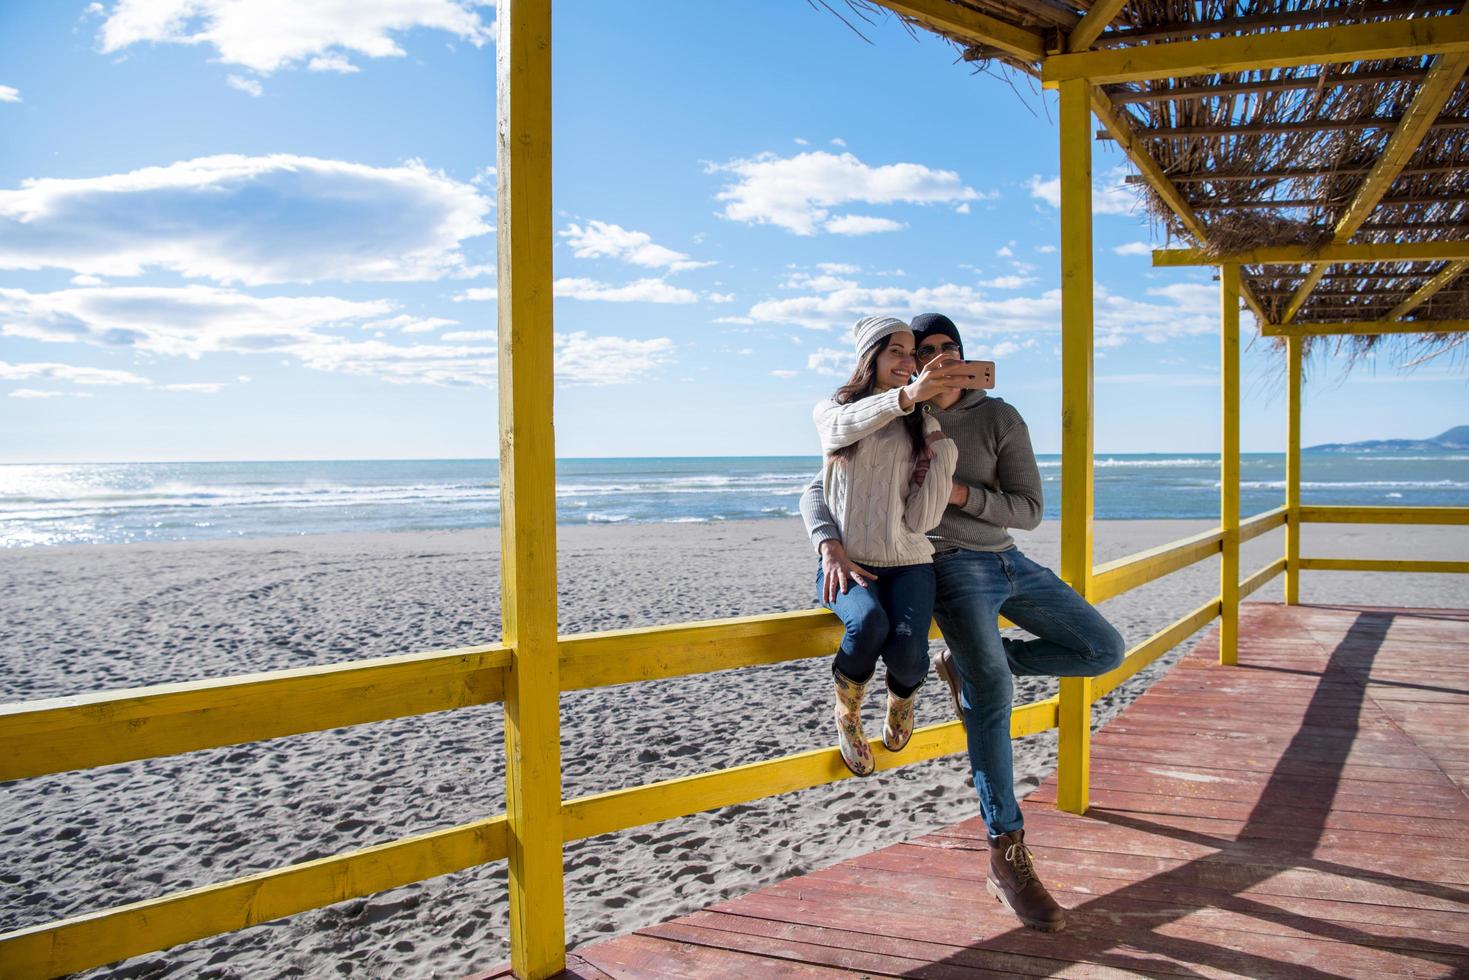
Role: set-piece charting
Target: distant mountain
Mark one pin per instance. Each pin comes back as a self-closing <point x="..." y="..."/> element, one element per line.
<point x="1455" y="439"/>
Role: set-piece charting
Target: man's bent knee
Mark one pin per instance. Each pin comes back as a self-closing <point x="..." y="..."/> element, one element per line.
<point x="1107" y="649"/>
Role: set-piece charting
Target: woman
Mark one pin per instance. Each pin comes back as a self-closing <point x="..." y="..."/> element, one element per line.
<point x="873" y="436"/>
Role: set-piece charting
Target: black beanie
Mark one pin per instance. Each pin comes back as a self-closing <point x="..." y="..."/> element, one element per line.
<point x="927" y="323"/>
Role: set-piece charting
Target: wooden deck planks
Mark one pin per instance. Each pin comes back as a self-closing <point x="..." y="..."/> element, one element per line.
<point x="1301" y="815"/>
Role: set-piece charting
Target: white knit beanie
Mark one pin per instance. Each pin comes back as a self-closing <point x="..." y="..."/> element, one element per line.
<point x="870" y="329"/>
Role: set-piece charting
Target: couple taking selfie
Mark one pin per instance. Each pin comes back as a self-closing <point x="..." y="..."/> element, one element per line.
<point x="924" y="474"/>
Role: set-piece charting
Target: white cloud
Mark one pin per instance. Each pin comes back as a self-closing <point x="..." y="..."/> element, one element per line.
<point x="720" y="297"/>
<point x="1008" y="282"/>
<point x="585" y="359"/>
<point x="198" y="388"/>
<point x="34" y="393"/>
<point x="485" y="294"/>
<point x="1046" y="249"/>
<point x="333" y="62"/>
<point x="253" y="220"/>
<point x="266" y="36"/>
<point x="862" y="224"/>
<point x="1170" y="311"/>
<point x="1111" y="194"/>
<point x="8" y="94"/>
<point x="986" y="352"/>
<point x="189" y="321"/>
<point x="962" y="209"/>
<point x="838" y="268"/>
<point x="782" y="373"/>
<point x="198" y="321"/>
<point x="410" y="324"/>
<point x="1134" y="248"/>
<point x="600" y="239"/>
<point x="249" y="86"/>
<point x="837" y="363"/>
<point x="51" y="371"/>
<point x="1006" y="251"/>
<point x="797" y="193"/>
<point x="838" y="141"/>
<point x="639" y="291"/>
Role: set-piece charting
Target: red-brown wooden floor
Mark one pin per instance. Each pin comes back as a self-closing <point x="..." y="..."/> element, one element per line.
<point x="1301" y="815"/>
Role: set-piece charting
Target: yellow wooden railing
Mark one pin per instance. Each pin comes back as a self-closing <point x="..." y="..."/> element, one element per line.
<point x="530" y="668"/>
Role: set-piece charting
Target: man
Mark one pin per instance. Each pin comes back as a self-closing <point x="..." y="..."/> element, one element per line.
<point x="981" y="575"/>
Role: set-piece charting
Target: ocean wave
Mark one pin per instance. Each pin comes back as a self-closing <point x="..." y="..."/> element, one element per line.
<point x="1359" y="485"/>
<point x="597" y="517"/>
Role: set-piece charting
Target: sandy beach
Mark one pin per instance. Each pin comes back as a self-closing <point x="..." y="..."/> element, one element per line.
<point x="85" y="618"/>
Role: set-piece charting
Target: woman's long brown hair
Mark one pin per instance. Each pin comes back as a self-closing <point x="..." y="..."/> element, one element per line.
<point x="863" y="383"/>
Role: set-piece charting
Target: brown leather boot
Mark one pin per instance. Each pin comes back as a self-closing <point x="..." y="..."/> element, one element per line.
<point x="1013" y="882"/>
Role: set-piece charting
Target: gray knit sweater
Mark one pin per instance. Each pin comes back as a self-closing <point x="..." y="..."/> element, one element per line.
<point x="996" y="464"/>
<point x="869" y="495"/>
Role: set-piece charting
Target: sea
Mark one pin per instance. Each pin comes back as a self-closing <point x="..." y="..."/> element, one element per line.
<point x="118" y="503"/>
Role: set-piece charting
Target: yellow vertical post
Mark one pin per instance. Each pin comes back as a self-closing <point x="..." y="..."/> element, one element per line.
<point x="1293" y="471"/>
<point x="528" y="491"/>
<point x="1229" y="464"/>
<point x="1075" y="709"/>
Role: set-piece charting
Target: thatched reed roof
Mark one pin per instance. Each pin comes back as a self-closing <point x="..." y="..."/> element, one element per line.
<point x="1276" y="156"/>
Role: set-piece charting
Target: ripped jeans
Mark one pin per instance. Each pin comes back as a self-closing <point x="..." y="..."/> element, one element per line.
<point x="888" y="619"/>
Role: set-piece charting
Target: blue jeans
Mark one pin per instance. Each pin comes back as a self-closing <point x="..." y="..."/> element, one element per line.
<point x="888" y="619"/>
<point x="974" y="587"/>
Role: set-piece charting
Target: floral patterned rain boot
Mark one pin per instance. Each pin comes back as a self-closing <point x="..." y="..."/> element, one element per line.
<point x="856" y="753"/>
<point x="898" y="728"/>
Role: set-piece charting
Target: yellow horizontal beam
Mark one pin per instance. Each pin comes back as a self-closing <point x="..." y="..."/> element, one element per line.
<point x="82" y="731"/>
<point x="970" y="26"/>
<point x="1381" y="565"/>
<point x="619" y="809"/>
<point x="1385" y="515"/>
<point x="97" y="938"/>
<point x="1253" y="527"/>
<point x="1362" y="328"/>
<point x="653" y="653"/>
<point x="1261" y="577"/>
<point x="1256" y="52"/>
<point x="1126" y="574"/>
<point x="657" y="652"/>
<point x="1155" y="646"/>
<point x="1323" y="255"/>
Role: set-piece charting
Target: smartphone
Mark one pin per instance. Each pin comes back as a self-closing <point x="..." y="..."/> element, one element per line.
<point x="983" y="374"/>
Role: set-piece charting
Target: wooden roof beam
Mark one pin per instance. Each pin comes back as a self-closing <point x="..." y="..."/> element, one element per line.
<point x="1121" y="130"/>
<point x="1102" y="13"/>
<point x="1364" y="328"/>
<point x="1275" y="49"/>
<point x="1293" y="18"/>
<point x="1451" y="197"/>
<point x="1301" y="173"/>
<point x="1432" y="96"/>
<point x="1323" y="256"/>
<point x="1435" y="285"/>
<point x="1323" y="79"/>
<point x="970" y="26"/>
<point x="1299" y="126"/>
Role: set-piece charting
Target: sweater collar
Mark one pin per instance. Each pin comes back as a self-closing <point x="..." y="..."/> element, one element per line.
<point x="966" y="401"/>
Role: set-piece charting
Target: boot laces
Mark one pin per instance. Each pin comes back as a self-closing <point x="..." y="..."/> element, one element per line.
<point x="1018" y="856"/>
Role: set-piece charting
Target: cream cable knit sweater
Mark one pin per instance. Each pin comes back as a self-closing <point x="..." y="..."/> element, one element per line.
<point x="881" y="515"/>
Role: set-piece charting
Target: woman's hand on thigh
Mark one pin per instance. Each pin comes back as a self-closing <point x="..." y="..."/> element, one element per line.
<point x="838" y="572"/>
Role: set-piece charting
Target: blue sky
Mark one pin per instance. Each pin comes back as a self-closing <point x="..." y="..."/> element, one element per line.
<point x="224" y="236"/>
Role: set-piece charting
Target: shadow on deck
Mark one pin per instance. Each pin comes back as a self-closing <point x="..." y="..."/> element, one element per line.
<point x="1301" y="815"/>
